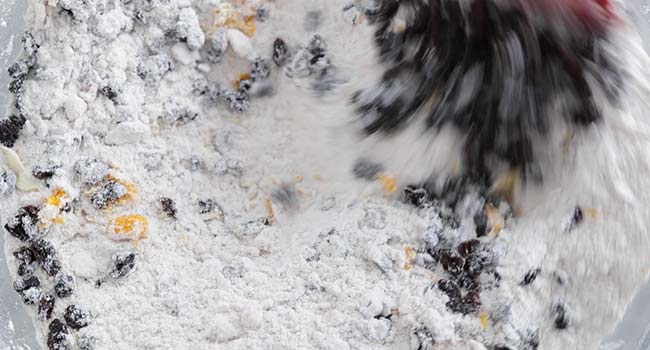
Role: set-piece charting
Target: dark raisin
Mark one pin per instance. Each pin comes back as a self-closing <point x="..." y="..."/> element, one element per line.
<point x="530" y="340"/>
<point x="45" y="306"/>
<point x="469" y="247"/>
<point x="417" y="196"/>
<point x="24" y="225"/>
<point x="25" y="270"/>
<point x="481" y="222"/>
<point x="561" y="314"/>
<point x="7" y="182"/>
<point x="30" y="46"/>
<point x="109" y="92"/>
<point x="286" y="195"/>
<point x="217" y="45"/>
<point x="24" y="284"/>
<point x="10" y="129"/>
<point x="260" y="69"/>
<point x="317" y="45"/>
<point x="450" y="288"/>
<point x="262" y="13"/>
<point x="214" y="92"/>
<point x="46" y="256"/>
<point x="208" y="206"/>
<point x="24" y="254"/>
<point x="19" y="69"/>
<point x="366" y="169"/>
<point x="236" y="101"/>
<point x="31" y="295"/>
<point x="454" y="304"/>
<point x="200" y="85"/>
<point x="280" y="52"/>
<point x="64" y="285"/>
<point x="110" y="192"/>
<point x="469" y="282"/>
<point x="530" y="276"/>
<point x="43" y="173"/>
<point x="474" y="265"/>
<point x="471" y="302"/>
<point x="576" y="218"/>
<point x="75" y="317"/>
<point x="425" y="339"/>
<point x="168" y="207"/>
<point x="57" y="335"/>
<point x="451" y="261"/>
<point x="15" y="87"/>
<point x="67" y="207"/>
<point x="90" y="171"/>
<point x="122" y="264"/>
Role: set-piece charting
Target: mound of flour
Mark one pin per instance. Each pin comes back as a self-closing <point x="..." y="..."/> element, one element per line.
<point x="335" y="267"/>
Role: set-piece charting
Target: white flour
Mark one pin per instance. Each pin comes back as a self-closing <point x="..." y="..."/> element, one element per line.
<point x="325" y="275"/>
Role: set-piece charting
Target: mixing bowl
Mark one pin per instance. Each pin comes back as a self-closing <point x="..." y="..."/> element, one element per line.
<point x="16" y="329"/>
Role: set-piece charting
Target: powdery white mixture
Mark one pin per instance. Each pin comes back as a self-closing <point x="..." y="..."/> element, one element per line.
<point x="332" y="273"/>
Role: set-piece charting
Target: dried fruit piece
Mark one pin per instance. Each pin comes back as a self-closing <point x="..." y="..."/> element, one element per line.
<point x="425" y="339"/>
<point x="561" y="314"/>
<point x="122" y="264"/>
<point x="229" y="17"/>
<point x="46" y="256"/>
<point x="24" y="225"/>
<point x="450" y="288"/>
<point x="410" y="257"/>
<point x="262" y="13"/>
<point x="31" y="295"/>
<point x="25" y="270"/>
<point x="530" y="276"/>
<point x="154" y="67"/>
<point x="24" y="254"/>
<point x="168" y="207"/>
<point x="469" y="247"/>
<point x="7" y="182"/>
<point x="451" y="261"/>
<point x="577" y="217"/>
<point x="260" y="69"/>
<point x="10" y="129"/>
<point x="108" y="194"/>
<point x="130" y="227"/>
<point x="481" y="223"/>
<point x="242" y="77"/>
<point x="75" y="317"/>
<point x="57" y="335"/>
<point x="417" y="196"/>
<point x="43" y="173"/>
<point x="287" y="195"/>
<point x="64" y="285"/>
<point x="217" y="46"/>
<point x="90" y="171"/>
<point x="56" y="198"/>
<point x="45" y="306"/>
<point x="366" y="169"/>
<point x="388" y="183"/>
<point x="280" y="52"/>
<point x="24" y="284"/>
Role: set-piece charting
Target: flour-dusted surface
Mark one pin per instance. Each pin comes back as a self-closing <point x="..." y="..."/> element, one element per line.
<point x="335" y="270"/>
